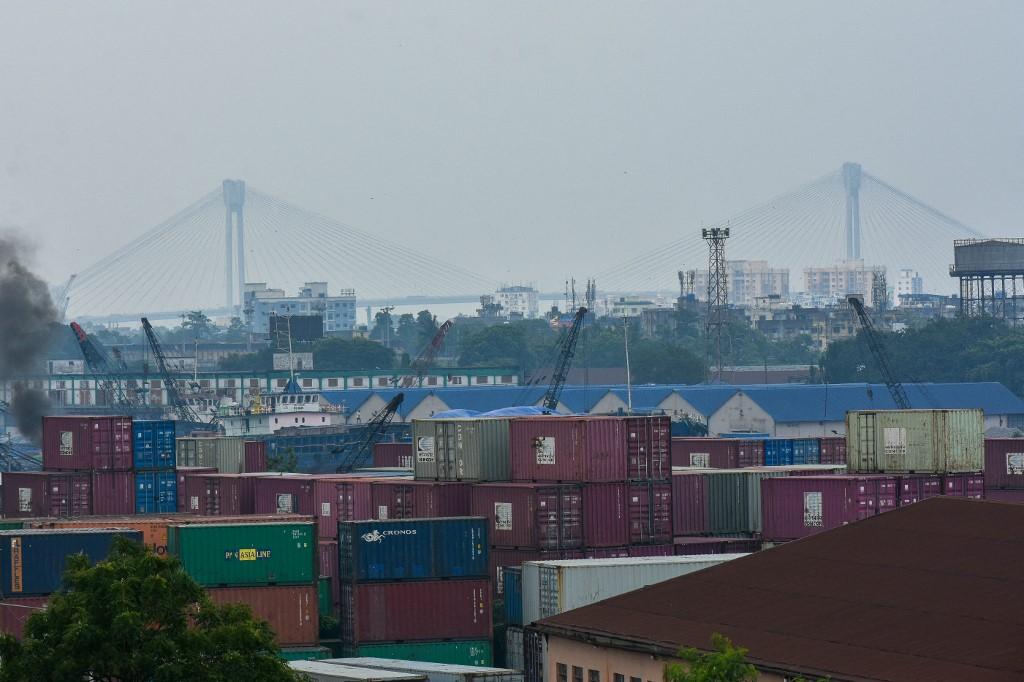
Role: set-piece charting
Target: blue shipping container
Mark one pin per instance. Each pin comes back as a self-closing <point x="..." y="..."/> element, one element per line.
<point x="806" y="451"/>
<point x="154" y="444"/>
<point x="156" y="492"/>
<point x="778" y="452"/>
<point x="32" y="562"/>
<point x="412" y="549"/>
<point x="513" y="578"/>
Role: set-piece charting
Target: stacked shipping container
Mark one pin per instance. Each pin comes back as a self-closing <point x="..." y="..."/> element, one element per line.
<point x="156" y="482"/>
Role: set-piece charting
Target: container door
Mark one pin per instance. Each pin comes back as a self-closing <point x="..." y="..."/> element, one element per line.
<point x="547" y="578"/>
<point x="60" y="499"/>
<point x="444" y="451"/>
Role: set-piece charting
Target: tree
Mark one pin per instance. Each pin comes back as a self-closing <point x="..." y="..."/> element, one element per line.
<point x="198" y="325"/>
<point x="406" y="334"/>
<point x="335" y="353"/>
<point x="237" y="330"/>
<point x="260" y="361"/>
<point x="725" y="663"/>
<point x="383" y="327"/>
<point x="138" y="617"/>
<point x="426" y="328"/>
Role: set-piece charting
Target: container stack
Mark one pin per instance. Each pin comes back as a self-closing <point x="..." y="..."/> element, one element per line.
<point x="226" y="454"/>
<point x="156" y="481"/>
<point x="416" y="589"/>
<point x="393" y="455"/>
<point x="738" y="453"/>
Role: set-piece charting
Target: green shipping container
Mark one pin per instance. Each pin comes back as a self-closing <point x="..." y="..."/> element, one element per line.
<point x="246" y="554"/>
<point x="462" y="652"/>
<point x="915" y="441"/>
<point x="12" y="525"/>
<point x="460" y="449"/>
<point x="324" y="595"/>
<point x="734" y="499"/>
<point x="304" y="653"/>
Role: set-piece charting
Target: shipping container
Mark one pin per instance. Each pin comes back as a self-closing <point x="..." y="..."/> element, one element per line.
<point x="224" y="453"/>
<point x="449" y="609"/>
<point x="832" y="450"/>
<point x="649" y="505"/>
<point x="324" y="595"/>
<point x="537" y="516"/>
<point x="806" y="451"/>
<point x="732" y="498"/>
<point x="437" y="672"/>
<point x="156" y="492"/>
<point x="513" y="600"/>
<point x="28" y="494"/>
<point x="401" y="499"/>
<point x="220" y="494"/>
<point x="689" y="546"/>
<point x="291" y="611"/>
<point x="113" y="493"/>
<point x="514" y="653"/>
<point x="462" y="652"/>
<point x="606" y="515"/>
<point x="328" y="565"/>
<point x="328" y="671"/>
<point x="393" y="455"/>
<point x="247" y="554"/>
<point x="283" y="493"/>
<point x="568" y="449"/>
<point x="1004" y="463"/>
<point x="660" y="549"/>
<point x="689" y="504"/>
<point x="964" y="485"/>
<point x="304" y="653"/>
<point x="718" y="453"/>
<point x="1005" y="495"/>
<point x="648" y="448"/>
<point x="798" y="506"/>
<point x="153" y="444"/>
<point x="255" y="454"/>
<point x="778" y="452"/>
<point x="32" y="561"/>
<point x="553" y="587"/>
<point x="461" y="449"/>
<point x="15" y="611"/>
<point x="413" y="549"/>
<point x="916" y="487"/>
<point x="180" y="474"/>
<point x="341" y="499"/>
<point x="87" y="443"/>
<point x="915" y="441"/>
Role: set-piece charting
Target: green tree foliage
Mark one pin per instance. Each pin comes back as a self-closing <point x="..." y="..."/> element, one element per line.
<point x="335" y="353"/>
<point x="406" y="335"/>
<point x="383" y="327"/>
<point x="426" y="328"/>
<point x="260" y="361"/>
<point x="198" y="325"/>
<point x="286" y="462"/>
<point x="137" y="617"/>
<point x="725" y="663"/>
<point x="237" y="331"/>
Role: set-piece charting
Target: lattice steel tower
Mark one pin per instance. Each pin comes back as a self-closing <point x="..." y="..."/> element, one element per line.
<point x="234" y="201"/>
<point x="718" y="293"/>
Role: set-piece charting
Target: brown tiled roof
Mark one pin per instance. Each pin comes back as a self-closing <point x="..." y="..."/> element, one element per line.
<point x="933" y="591"/>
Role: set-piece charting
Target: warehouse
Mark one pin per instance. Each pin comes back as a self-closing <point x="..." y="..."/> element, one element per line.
<point x="929" y="592"/>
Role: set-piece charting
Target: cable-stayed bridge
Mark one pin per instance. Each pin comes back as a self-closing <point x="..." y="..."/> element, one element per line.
<point x="200" y="257"/>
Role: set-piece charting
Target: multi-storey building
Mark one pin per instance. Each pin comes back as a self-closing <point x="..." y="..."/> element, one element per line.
<point x="837" y="281"/>
<point x="338" y="311"/>
<point x="518" y="301"/>
<point x="908" y="283"/>
<point x="748" y="280"/>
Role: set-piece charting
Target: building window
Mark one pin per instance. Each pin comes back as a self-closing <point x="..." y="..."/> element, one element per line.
<point x="332" y="383"/>
<point x="594" y="675"/>
<point x="357" y="381"/>
<point x="307" y="383"/>
<point x="482" y="380"/>
<point x="281" y="383"/>
<point x="563" y="672"/>
<point x="619" y="677"/>
<point x="577" y="674"/>
<point x="635" y="679"/>
<point x="506" y="379"/>
<point x="383" y="381"/>
<point x="431" y="381"/>
<point x="454" y="381"/>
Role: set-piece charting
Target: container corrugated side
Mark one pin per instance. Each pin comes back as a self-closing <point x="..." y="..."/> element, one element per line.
<point x="180" y="473"/>
<point x="28" y="494"/>
<point x="689" y="503"/>
<point x="915" y="441"/>
<point x="461" y="449"/>
<point x="225" y="453"/>
<point x="276" y="493"/>
<point x="247" y="554"/>
<point x="333" y="671"/>
<point x="798" y="506"/>
<point x="437" y="672"/>
<point x="255" y="454"/>
<point x="1004" y="463"/>
<point x="32" y="561"/>
<point x="649" y="506"/>
<point x="153" y="444"/>
<point x="393" y="455"/>
<point x="413" y="549"/>
<point x="113" y="492"/>
<point x="568" y="449"/>
<point x="606" y="515"/>
<point x="648" y="448"/>
<point x="456" y="652"/>
<point x="402" y="499"/>
<point x="538" y="516"/>
<point x="341" y="499"/>
<point x="513" y="601"/>
<point x="290" y="610"/>
<point x="156" y="492"/>
<point x="720" y="453"/>
<point x="87" y="443"/>
<point x="220" y="494"/>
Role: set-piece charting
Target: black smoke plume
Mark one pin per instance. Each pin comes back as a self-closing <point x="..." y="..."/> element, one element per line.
<point x="29" y="320"/>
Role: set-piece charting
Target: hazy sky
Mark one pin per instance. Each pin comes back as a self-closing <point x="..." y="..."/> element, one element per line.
<point x="514" y="137"/>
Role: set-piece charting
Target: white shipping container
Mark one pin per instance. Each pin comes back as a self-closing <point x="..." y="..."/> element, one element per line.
<point x="323" y="671"/>
<point x="436" y="672"/>
<point x="515" y="656"/>
<point x="554" y="587"/>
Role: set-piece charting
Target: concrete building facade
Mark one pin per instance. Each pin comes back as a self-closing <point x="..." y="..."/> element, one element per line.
<point x="338" y="311"/>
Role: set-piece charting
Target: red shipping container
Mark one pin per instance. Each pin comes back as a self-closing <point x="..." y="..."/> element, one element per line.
<point x="1004" y="463"/>
<point x="398" y="499"/>
<point x="689" y="504"/>
<point x="1005" y="495"/>
<point x="570" y="449"/>
<point x="649" y="448"/>
<point x="916" y="488"/>
<point x="392" y="455"/>
<point x="328" y="559"/>
<point x="276" y="493"/>
<point x="46" y="493"/>
<point x="219" y="494"/>
<point x="113" y="493"/>
<point x="290" y="610"/>
<point x="14" y="612"/>
<point x="832" y="450"/>
<point x="340" y="498"/>
<point x="964" y="485"/>
<point x="707" y="545"/>
<point x="182" y="472"/>
<point x="535" y="516"/>
<point x="415" y="610"/>
<point x="255" y="454"/>
<point x="606" y="518"/>
<point x="797" y="506"/>
<point x="650" y="512"/>
<point x="717" y="453"/>
<point x="749" y="453"/>
<point x="663" y="549"/>
<point x="83" y="443"/>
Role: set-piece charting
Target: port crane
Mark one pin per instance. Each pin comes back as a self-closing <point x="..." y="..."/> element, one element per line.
<point x="178" y="402"/>
<point x="354" y="455"/>
<point x="425" y="359"/>
<point x="896" y="390"/>
<point x="567" y="349"/>
<point x="99" y="367"/>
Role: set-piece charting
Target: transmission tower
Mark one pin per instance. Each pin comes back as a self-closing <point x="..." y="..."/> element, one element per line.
<point x="718" y="293"/>
<point x="879" y="291"/>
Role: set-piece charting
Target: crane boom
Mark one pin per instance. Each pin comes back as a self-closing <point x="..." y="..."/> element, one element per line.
<point x="896" y="390"/>
<point x="425" y="359"/>
<point x="99" y="366"/>
<point x="356" y="454"/>
<point x="564" y="362"/>
<point x="181" y="406"/>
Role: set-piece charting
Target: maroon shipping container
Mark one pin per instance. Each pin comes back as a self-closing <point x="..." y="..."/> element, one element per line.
<point x="328" y="560"/>
<point x="290" y="610"/>
<point x="797" y="506"/>
<point x="535" y="516"/>
<point x="14" y="612"/>
<point x="689" y="504"/>
<point x="663" y="549"/>
<point x="717" y="453"/>
<point x="219" y="494"/>
<point x="84" y="443"/>
<point x="46" y="493"/>
<point x="686" y="546"/>
<point x="606" y="518"/>
<point x="113" y="493"/>
<point x="606" y="553"/>
<point x="964" y="485"/>
<point x="416" y="610"/>
<point x="277" y="493"/>
<point x="916" y="488"/>
<point x="340" y="498"/>
<point x="392" y="455"/>
<point x="402" y="499"/>
<point x="648" y="448"/>
<point x="500" y="557"/>
<point x="570" y="449"/>
<point x="1005" y="495"/>
<point x="832" y="450"/>
<point x="255" y="456"/>
<point x="649" y="506"/>
<point x="750" y="453"/>
<point x="182" y="472"/>
<point x="1004" y="463"/>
